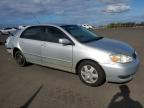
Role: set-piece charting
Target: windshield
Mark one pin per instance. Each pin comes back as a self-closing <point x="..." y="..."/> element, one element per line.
<point x="81" y="34"/>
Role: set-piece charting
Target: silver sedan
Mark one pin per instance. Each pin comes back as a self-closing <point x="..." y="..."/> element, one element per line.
<point x="74" y="49"/>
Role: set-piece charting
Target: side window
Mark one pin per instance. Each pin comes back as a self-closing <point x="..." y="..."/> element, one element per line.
<point x="53" y="34"/>
<point x="34" y="33"/>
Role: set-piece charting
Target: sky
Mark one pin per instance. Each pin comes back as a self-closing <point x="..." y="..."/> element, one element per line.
<point x="95" y="12"/>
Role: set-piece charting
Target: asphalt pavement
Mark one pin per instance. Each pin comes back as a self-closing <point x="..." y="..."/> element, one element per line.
<point x="36" y="86"/>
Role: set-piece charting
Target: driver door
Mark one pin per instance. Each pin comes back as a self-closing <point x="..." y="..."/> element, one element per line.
<point x="55" y="54"/>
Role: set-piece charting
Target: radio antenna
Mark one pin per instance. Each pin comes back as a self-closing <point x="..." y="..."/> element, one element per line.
<point x="36" y="19"/>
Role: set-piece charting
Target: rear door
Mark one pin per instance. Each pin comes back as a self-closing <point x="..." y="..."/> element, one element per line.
<point x="30" y="43"/>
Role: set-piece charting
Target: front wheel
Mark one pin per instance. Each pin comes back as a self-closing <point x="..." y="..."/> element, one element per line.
<point x="91" y="73"/>
<point x="20" y="59"/>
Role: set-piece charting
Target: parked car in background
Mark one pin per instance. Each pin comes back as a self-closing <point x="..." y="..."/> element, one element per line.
<point x="21" y="27"/>
<point x="7" y="31"/>
<point x="87" y="26"/>
<point x="75" y="49"/>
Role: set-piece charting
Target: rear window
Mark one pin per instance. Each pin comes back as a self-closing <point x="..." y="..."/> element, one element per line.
<point x="34" y="33"/>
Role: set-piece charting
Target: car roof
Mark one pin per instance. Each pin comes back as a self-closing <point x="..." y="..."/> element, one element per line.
<point x="57" y="24"/>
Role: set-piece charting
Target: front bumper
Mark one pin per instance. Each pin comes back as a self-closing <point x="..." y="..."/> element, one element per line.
<point x="120" y="73"/>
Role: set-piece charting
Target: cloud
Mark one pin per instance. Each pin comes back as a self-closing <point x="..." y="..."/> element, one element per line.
<point x="57" y="6"/>
<point x="113" y="1"/>
<point x="48" y="7"/>
<point x="116" y="8"/>
<point x="77" y="11"/>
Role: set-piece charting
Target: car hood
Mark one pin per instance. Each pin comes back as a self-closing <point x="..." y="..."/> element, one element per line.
<point x="112" y="46"/>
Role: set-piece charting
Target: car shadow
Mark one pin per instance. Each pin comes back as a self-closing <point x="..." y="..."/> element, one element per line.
<point x="29" y="64"/>
<point x="123" y="100"/>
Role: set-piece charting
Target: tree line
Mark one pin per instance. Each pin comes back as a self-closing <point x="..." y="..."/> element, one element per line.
<point x="127" y="24"/>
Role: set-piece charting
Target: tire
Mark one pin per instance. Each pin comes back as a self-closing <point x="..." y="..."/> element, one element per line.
<point x="20" y="59"/>
<point x="91" y="73"/>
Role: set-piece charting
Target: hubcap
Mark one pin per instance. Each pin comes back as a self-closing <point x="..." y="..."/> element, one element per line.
<point x="89" y="74"/>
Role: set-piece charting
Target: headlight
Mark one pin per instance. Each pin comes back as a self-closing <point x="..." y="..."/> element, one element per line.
<point x="120" y="58"/>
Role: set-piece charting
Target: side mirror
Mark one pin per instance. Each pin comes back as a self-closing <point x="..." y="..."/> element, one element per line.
<point x="65" y="41"/>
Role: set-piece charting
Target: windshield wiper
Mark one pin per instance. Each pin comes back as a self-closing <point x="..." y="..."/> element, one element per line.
<point x="100" y="38"/>
<point x="95" y="39"/>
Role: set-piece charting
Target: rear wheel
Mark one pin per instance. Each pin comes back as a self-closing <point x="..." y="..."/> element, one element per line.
<point x="91" y="73"/>
<point x="20" y="59"/>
